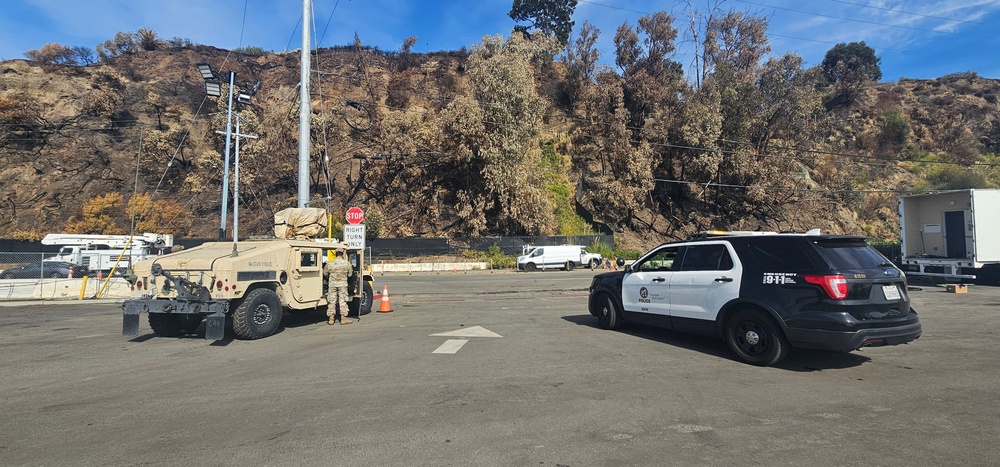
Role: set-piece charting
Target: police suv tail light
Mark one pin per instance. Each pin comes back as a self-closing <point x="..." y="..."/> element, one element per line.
<point x="835" y="285"/>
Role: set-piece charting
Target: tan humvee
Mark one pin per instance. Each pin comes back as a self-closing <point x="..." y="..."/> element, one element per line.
<point x="252" y="281"/>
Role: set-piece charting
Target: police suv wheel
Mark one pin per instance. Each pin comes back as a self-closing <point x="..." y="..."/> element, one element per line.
<point x="755" y="338"/>
<point x="258" y="316"/>
<point x="608" y="316"/>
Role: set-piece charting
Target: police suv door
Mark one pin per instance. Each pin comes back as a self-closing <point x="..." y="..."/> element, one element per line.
<point x="645" y="289"/>
<point x="707" y="278"/>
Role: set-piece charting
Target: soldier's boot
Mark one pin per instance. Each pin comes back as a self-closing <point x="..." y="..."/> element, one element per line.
<point x="332" y="319"/>
<point x="344" y="320"/>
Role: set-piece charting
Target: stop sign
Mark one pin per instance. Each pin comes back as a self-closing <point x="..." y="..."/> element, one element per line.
<point x="355" y="215"/>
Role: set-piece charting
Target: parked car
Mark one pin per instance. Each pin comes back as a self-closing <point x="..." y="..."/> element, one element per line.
<point x="763" y="293"/>
<point x="42" y="269"/>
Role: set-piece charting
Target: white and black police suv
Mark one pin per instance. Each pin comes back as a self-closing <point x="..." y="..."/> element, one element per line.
<point x="763" y="292"/>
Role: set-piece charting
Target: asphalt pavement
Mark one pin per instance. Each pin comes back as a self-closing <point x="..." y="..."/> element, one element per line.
<point x="490" y="369"/>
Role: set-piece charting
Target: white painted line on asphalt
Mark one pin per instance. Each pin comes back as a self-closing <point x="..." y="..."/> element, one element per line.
<point x="451" y="346"/>
<point x="474" y="331"/>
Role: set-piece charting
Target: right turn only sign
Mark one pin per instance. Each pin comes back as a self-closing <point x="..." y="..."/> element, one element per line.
<point x="354" y="235"/>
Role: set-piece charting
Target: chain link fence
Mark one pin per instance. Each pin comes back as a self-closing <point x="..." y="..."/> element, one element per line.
<point x="35" y="276"/>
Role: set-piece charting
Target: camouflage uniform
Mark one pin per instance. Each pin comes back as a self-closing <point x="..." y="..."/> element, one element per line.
<point x="337" y="270"/>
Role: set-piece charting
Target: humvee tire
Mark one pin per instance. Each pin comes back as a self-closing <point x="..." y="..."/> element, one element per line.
<point x="258" y="316"/>
<point x="364" y="303"/>
<point x="167" y="325"/>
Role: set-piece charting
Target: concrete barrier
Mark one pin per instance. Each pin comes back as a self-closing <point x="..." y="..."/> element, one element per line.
<point x="62" y="289"/>
<point x="381" y="268"/>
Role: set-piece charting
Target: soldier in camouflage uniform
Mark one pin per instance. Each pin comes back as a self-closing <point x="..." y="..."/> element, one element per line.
<point x="337" y="270"/>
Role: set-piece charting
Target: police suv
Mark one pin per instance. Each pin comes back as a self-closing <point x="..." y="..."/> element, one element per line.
<point x="763" y="292"/>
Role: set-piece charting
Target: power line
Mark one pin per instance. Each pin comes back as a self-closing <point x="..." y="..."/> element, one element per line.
<point x="893" y="10"/>
<point x="771" y="34"/>
<point x="614" y="7"/>
<point x="647" y="13"/>
<point x="243" y="24"/>
<point x="777" y="188"/>
<point x="851" y="19"/>
<point x="327" y="26"/>
<point x="721" y="150"/>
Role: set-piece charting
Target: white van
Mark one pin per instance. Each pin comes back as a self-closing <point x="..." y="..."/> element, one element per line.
<point x="564" y="257"/>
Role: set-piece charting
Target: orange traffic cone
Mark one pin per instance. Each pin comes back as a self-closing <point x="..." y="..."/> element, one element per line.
<point x="385" y="307"/>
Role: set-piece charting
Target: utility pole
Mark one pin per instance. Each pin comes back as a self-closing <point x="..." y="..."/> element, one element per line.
<point x="236" y="186"/>
<point x="304" y="62"/>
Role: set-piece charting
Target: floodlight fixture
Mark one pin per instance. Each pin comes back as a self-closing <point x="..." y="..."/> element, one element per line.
<point x="213" y="88"/>
<point x="243" y="97"/>
<point x="206" y="71"/>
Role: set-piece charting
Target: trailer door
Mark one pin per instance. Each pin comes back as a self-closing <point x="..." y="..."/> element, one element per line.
<point x="954" y="234"/>
<point x="985" y="220"/>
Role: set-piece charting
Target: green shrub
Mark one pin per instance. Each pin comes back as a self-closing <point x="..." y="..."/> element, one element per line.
<point x="494" y="255"/>
<point x="613" y="252"/>
<point x="251" y="50"/>
<point x="561" y="192"/>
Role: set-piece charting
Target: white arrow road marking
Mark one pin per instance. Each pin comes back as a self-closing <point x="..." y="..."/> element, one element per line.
<point x="474" y="331"/>
<point x="451" y="346"/>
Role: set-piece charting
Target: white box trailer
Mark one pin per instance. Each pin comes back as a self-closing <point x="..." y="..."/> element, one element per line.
<point x="952" y="234"/>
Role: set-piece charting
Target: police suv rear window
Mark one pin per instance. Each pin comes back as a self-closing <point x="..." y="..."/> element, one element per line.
<point x="850" y="254"/>
<point x="780" y="255"/>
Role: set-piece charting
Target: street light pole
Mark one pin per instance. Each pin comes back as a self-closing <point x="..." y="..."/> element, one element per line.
<point x="213" y="89"/>
<point x="225" y="176"/>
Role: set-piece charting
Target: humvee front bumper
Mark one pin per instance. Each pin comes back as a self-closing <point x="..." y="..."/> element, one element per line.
<point x="215" y="322"/>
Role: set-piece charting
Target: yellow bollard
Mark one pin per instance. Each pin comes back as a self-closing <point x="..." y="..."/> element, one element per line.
<point x="83" y="288"/>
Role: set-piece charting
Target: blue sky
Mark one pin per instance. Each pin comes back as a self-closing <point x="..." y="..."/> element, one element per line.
<point x="914" y="38"/>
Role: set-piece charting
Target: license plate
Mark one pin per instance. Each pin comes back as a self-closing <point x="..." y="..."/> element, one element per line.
<point x="891" y="292"/>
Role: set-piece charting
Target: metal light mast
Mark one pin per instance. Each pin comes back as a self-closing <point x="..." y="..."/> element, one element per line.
<point x="304" y="109"/>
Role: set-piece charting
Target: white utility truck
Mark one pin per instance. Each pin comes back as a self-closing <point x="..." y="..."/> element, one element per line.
<point x="102" y="252"/>
<point x="952" y="235"/>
